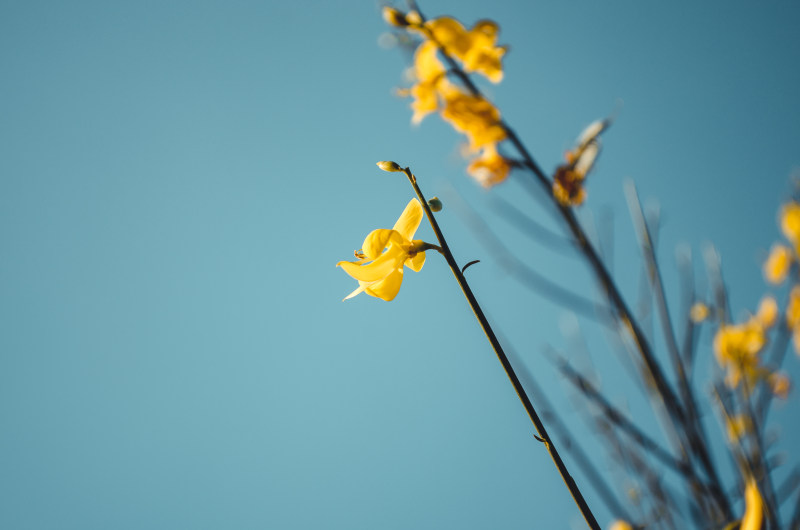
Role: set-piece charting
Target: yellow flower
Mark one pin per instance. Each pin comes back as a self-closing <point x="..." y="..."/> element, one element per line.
<point x="429" y="73"/>
<point x="737" y="347"/>
<point x="790" y="222"/>
<point x="753" y="507"/>
<point x="394" y="17"/>
<point x="793" y="308"/>
<point x="475" y="48"/>
<point x="767" y="312"/>
<point x="779" y="384"/>
<point x="777" y="265"/>
<point x="737" y="427"/>
<point x="620" y="525"/>
<point x="473" y="116"/>
<point x="568" y="186"/>
<point x="490" y="168"/>
<point x="698" y="312"/>
<point x="380" y="270"/>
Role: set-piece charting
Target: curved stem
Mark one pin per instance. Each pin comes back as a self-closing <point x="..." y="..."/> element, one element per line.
<point x="577" y="496"/>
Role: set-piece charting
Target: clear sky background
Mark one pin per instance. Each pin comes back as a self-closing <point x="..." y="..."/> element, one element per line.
<point x="178" y="179"/>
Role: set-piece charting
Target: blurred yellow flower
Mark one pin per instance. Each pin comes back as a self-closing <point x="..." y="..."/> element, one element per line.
<point x="698" y="312"/>
<point x="387" y="251"/>
<point x="490" y="168"/>
<point x="394" y="17"/>
<point x="737" y="347"/>
<point x="779" y="384"/>
<point x="793" y="308"/>
<point x="790" y="222"/>
<point x="475" y="48"/>
<point x="767" y="312"/>
<point x="753" y="507"/>
<point x="568" y="180"/>
<point x="737" y="427"/>
<point x="620" y="525"/>
<point x="473" y="116"/>
<point x="568" y="186"/>
<point x="777" y="265"/>
<point x="429" y="73"/>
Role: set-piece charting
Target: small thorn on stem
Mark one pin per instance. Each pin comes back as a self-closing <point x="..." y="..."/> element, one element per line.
<point x="471" y="263"/>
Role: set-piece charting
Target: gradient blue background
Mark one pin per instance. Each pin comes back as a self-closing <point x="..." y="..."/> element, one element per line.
<point x="178" y="179"/>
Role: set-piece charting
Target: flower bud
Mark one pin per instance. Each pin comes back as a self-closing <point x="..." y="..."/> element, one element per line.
<point x="435" y="204"/>
<point x="387" y="165"/>
<point x="413" y="18"/>
<point x="394" y="17"/>
<point x="699" y="312"/>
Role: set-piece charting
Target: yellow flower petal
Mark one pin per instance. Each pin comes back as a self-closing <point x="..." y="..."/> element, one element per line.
<point x="777" y="265"/>
<point x="490" y="168"/>
<point x="409" y="220"/>
<point x="753" y="507"/>
<point x="790" y="222"/>
<point x="378" y="269"/>
<point x="779" y="384"/>
<point x="358" y="291"/>
<point x="767" y="312"/>
<point x="793" y="308"/>
<point x="388" y="287"/>
<point x="416" y="262"/>
<point x="377" y="240"/>
<point x="450" y="34"/>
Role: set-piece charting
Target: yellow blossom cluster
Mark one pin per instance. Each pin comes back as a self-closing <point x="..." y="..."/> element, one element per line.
<point x="474" y="50"/>
<point x="780" y="261"/>
<point x="738" y="346"/>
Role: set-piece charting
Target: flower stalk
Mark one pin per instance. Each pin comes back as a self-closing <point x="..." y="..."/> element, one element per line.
<point x="541" y="431"/>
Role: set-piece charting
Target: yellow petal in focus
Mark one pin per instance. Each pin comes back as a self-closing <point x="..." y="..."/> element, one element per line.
<point x="409" y="220"/>
<point x="378" y="269"/>
<point x="377" y="240"/>
<point x="388" y="287"/>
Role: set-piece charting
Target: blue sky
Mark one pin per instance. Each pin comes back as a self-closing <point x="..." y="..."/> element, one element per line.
<point x="178" y="179"/>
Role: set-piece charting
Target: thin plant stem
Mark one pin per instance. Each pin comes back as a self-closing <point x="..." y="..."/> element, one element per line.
<point x="577" y="496"/>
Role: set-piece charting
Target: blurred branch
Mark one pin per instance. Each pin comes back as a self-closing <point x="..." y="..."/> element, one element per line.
<point x="522" y="272"/>
<point x="567" y="440"/>
<point x="693" y="430"/>
<point x="616" y="418"/>
<point x="529" y="227"/>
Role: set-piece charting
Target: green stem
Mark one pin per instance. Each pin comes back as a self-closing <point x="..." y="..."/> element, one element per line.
<point x="487" y="329"/>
